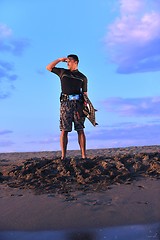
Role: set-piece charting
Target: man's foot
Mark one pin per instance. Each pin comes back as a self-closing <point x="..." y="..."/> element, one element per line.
<point x="84" y="158"/>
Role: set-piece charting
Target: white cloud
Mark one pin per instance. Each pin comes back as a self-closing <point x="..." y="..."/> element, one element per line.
<point x="127" y="7"/>
<point x="5" y="31"/>
<point x="133" y="31"/>
<point x="133" y="39"/>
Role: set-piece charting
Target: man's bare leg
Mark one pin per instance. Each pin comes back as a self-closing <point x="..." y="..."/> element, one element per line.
<point x="63" y="143"/>
<point x="82" y="142"/>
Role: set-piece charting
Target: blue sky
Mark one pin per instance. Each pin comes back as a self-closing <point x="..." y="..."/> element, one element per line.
<point x="118" y="43"/>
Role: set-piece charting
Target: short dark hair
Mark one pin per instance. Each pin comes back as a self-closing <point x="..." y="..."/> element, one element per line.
<point x="75" y="57"/>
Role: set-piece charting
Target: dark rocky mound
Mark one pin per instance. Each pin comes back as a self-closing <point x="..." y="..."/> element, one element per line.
<point x="97" y="173"/>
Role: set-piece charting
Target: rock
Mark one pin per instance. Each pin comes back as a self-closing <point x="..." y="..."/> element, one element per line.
<point x="1" y="177"/>
<point x="96" y="173"/>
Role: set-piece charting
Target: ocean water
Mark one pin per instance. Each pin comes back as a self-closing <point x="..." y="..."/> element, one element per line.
<point x="135" y="232"/>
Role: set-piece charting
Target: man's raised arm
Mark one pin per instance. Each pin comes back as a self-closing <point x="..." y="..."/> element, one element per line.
<point x="55" y="62"/>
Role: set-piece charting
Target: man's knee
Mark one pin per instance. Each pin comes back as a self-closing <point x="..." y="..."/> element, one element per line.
<point x="64" y="133"/>
<point x="80" y="132"/>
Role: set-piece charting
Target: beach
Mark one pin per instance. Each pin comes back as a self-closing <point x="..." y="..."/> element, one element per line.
<point x="112" y="187"/>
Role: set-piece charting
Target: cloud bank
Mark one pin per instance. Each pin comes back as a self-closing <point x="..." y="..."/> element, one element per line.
<point x="126" y="134"/>
<point x="9" y="44"/>
<point x="133" y="39"/>
<point x="4" y="132"/>
<point x="137" y="107"/>
<point x="7" y="78"/>
<point x="5" y="143"/>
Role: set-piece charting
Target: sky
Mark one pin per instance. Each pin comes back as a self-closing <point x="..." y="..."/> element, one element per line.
<point x="118" y="44"/>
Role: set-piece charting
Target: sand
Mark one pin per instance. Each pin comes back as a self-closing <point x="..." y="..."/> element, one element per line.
<point x="113" y="187"/>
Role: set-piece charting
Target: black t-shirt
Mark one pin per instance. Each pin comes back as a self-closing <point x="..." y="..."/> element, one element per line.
<point x="72" y="82"/>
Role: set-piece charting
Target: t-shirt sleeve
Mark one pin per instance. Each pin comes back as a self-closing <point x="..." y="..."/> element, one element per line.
<point x="84" y="86"/>
<point x="58" y="71"/>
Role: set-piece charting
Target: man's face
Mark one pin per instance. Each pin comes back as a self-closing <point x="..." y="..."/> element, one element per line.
<point x="71" y="63"/>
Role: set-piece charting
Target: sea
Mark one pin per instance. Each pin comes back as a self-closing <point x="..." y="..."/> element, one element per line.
<point x="133" y="232"/>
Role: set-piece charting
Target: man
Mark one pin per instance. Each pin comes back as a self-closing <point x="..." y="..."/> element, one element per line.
<point x="73" y="86"/>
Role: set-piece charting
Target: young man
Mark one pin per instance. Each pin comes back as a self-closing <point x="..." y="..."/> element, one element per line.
<point x="73" y="86"/>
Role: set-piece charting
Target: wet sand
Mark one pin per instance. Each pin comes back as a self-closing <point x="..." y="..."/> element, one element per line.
<point x="113" y="187"/>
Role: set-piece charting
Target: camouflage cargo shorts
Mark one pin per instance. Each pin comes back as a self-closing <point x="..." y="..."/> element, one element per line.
<point x="70" y="112"/>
